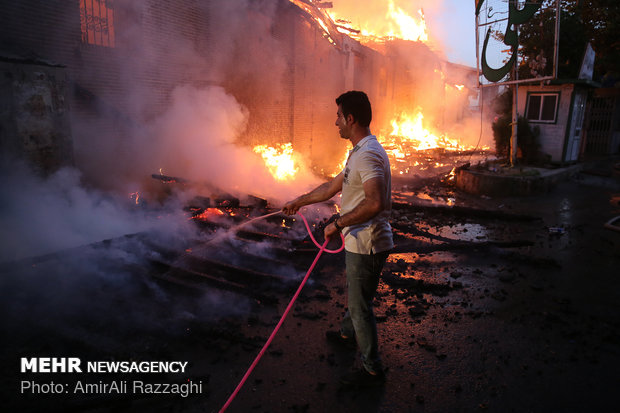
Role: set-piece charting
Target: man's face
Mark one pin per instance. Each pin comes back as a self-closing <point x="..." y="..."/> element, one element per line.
<point x="343" y="126"/>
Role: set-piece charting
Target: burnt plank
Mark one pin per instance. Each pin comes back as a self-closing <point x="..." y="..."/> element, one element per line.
<point x="199" y="280"/>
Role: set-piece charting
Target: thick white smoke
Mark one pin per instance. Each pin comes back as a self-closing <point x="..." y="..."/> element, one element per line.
<point x="197" y="138"/>
<point x="44" y="215"/>
<point x="198" y="129"/>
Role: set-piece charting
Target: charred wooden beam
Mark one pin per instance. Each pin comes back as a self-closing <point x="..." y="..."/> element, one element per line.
<point x="198" y="202"/>
<point x="9" y="266"/>
<point x="169" y="179"/>
<point x="277" y="262"/>
<point x="257" y="202"/>
<point x="261" y="236"/>
<point x="199" y="280"/>
<point x="232" y="271"/>
<point x="227" y="202"/>
<point x="284" y="252"/>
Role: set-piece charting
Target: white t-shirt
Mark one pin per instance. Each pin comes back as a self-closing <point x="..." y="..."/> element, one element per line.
<point x="367" y="160"/>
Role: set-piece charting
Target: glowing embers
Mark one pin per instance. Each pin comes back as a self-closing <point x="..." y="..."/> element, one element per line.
<point x="409" y="130"/>
<point x="279" y="160"/>
<point x="135" y="197"/>
<point x="415" y="149"/>
<point x="452" y="175"/>
<point x="208" y="213"/>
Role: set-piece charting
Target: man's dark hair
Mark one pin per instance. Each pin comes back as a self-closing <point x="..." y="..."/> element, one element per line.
<point x="356" y="103"/>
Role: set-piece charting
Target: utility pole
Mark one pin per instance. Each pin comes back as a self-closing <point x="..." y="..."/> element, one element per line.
<point x="515" y="109"/>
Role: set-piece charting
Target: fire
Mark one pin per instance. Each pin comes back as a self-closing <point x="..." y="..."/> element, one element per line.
<point x="452" y="175"/>
<point x="408" y="142"/>
<point x="208" y="213"/>
<point x="397" y="24"/>
<point x="320" y="17"/>
<point x="341" y="165"/>
<point x="135" y="196"/>
<point x="407" y="27"/>
<point x="449" y="87"/>
<point x="279" y="160"/>
<point x="411" y="130"/>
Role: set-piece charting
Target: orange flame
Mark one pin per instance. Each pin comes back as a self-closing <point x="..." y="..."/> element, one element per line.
<point x="135" y="196"/>
<point x="407" y="27"/>
<point x="208" y="213"/>
<point x="397" y="24"/>
<point x="279" y="160"/>
<point x="452" y="175"/>
<point x="411" y="130"/>
<point x="341" y="165"/>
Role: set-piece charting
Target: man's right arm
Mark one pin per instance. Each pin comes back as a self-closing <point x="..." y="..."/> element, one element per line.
<point x="320" y="193"/>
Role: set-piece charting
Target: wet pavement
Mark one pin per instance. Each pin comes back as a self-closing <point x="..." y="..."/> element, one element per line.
<point x="510" y="310"/>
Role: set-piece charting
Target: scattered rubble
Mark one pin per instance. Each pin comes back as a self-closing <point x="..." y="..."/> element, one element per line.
<point x="478" y="306"/>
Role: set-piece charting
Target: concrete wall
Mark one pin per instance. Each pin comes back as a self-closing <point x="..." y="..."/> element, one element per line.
<point x="531" y="182"/>
<point x="552" y="136"/>
<point x="34" y="115"/>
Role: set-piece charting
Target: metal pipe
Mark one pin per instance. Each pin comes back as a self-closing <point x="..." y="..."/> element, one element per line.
<point x="556" y="42"/>
<point x="477" y="50"/>
<point x="515" y="108"/>
<point x="493" y="22"/>
<point x="522" y="81"/>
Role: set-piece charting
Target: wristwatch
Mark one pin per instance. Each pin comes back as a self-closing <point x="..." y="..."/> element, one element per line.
<point x="338" y="227"/>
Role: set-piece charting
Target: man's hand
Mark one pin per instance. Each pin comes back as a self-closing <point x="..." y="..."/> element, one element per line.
<point x="319" y="194"/>
<point x="291" y="207"/>
<point x="330" y="231"/>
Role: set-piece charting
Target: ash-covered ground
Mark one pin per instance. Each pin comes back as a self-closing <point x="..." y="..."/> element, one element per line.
<point x="487" y="304"/>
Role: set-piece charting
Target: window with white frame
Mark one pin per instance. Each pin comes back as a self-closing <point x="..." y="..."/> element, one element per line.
<point x="542" y="107"/>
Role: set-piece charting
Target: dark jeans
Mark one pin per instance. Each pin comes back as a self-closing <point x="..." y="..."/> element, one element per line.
<point x="363" y="273"/>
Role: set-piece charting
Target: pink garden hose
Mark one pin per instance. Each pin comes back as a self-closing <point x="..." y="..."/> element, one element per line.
<point x="288" y="309"/>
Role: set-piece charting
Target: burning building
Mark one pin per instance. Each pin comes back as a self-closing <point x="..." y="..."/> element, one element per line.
<point x="148" y="85"/>
<point x="183" y="121"/>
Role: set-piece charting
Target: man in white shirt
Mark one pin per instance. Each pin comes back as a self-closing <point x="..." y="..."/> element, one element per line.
<point x="364" y="221"/>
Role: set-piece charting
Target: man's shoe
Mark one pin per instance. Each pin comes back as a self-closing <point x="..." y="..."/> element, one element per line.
<point x="362" y="378"/>
<point x="337" y="338"/>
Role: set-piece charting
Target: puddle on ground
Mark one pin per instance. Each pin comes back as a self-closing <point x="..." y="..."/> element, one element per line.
<point x="462" y="232"/>
<point x="422" y="197"/>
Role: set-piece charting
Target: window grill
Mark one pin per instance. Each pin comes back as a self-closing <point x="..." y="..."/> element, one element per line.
<point x="97" y="22"/>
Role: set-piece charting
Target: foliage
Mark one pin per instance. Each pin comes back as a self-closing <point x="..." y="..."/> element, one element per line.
<point x="602" y="24"/>
<point x="581" y="21"/>
<point x="537" y="43"/>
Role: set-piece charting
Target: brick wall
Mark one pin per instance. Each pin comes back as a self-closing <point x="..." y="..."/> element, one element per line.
<point x="276" y="63"/>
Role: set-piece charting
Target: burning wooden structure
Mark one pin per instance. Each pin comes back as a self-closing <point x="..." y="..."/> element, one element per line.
<point x="124" y="59"/>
